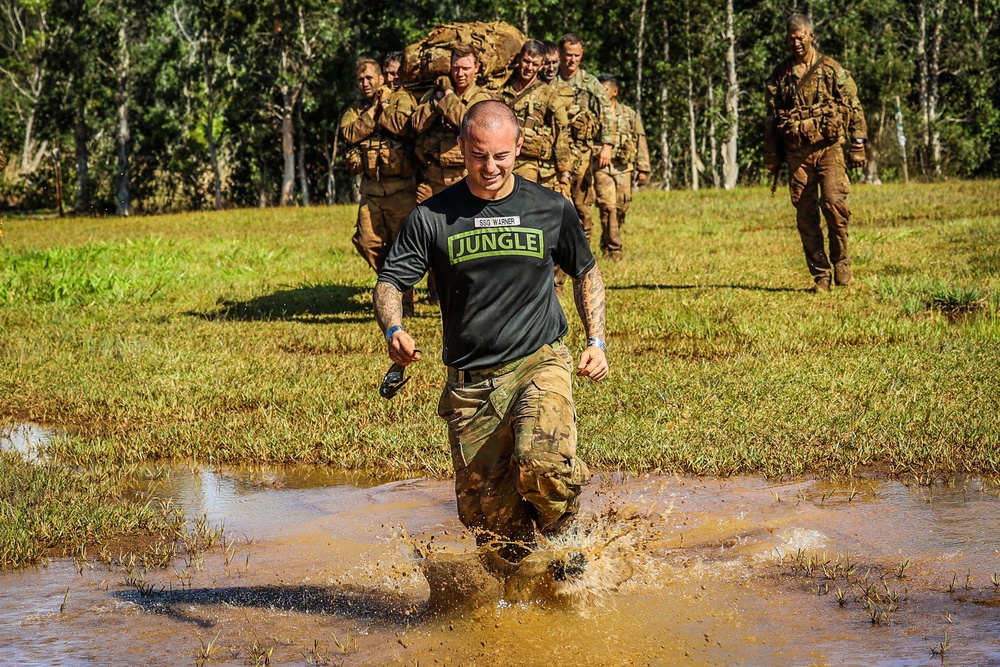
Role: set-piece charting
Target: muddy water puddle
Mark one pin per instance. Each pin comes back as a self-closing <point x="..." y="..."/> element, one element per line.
<point x="325" y="568"/>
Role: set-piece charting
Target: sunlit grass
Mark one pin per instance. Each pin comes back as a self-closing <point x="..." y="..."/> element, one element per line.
<point x="246" y="336"/>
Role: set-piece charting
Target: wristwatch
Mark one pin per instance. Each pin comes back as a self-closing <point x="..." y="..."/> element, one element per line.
<point x="597" y="342"/>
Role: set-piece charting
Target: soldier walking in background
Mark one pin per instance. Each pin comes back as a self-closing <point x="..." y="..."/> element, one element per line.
<point x="550" y="63"/>
<point x="437" y="122"/>
<point x="590" y="126"/>
<point x="390" y="68"/>
<point x="545" y="156"/>
<point x="630" y="156"/>
<point x="812" y="108"/>
<point x="377" y="128"/>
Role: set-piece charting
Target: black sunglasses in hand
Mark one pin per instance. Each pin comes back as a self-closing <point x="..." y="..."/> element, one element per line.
<point x="393" y="381"/>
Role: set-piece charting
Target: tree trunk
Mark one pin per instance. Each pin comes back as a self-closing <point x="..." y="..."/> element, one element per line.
<point x="692" y="131"/>
<point x="873" y="149"/>
<point x="287" y="149"/>
<point x="213" y="156"/>
<point x="932" y="93"/>
<point x="303" y="177"/>
<point x="331" y="159"/>
<point x="730" y="165"/>
<point x="668" y="165"/>
<point x="82" y="203"/>
<point x="923" y="70"/>
<point x="639" y="50"/>
<point x="124" y="204"/>
<point x="712" y="141"/>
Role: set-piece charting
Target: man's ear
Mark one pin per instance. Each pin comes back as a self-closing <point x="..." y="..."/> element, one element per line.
<point x="517" y="150"/>
<point x="461" y="145"/>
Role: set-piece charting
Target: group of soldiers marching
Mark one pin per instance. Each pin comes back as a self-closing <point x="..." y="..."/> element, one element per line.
<point x="579" y="140"/>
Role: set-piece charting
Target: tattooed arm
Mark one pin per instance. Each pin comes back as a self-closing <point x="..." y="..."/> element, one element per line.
<point x="588" y="292"/>
<point x="388" y="303"/>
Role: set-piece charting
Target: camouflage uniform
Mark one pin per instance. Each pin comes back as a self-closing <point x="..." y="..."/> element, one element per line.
<point x="589" y="110"/>
<point x="512" y="430"/>
<point x="437" y="124"/>
<point x="614" y="182"/>
<point x="3" y="160"/>
<point x="807" y="119"/>
<point x="545" y="129"/>
<point x="381" y="152"/>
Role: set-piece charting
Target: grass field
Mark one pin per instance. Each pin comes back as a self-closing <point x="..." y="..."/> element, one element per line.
<point x="247" y="336"/>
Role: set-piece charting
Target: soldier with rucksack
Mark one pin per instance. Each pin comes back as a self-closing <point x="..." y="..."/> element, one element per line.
<point x="437" y="121"/>
<point x="812" y="110"/>
<point x="545" y="153"/>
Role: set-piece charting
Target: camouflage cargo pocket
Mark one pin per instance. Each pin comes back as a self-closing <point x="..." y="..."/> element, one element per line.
<point x="451" y="153"/>
<point x="809" y="129"/>
<point x="537" y="146"/>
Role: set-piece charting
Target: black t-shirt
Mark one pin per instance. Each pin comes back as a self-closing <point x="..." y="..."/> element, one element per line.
<point x="493" y="262"/>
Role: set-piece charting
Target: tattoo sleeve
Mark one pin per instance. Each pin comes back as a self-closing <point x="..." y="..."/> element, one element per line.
<point x="388" y="302"/>
<point x="588" y="292"/>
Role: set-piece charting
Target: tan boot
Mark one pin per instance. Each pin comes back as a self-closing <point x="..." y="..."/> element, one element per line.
<point x="842" y="273"/>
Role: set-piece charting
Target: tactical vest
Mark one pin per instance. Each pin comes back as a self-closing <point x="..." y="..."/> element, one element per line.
<point x="531" y="111"/>
<point x="583" y="122"/>
<point x="821" y="119"/>
<point x="624" y="138"/>
<point x="379" y="156"/>
<point x="439" y="145"/>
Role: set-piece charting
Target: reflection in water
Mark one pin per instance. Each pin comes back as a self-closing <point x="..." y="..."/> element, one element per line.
<point x="25" y="439"/>
<point x="321" y="568"/>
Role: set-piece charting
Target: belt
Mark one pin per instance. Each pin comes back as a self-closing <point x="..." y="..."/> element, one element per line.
<point x="482" y="374"/>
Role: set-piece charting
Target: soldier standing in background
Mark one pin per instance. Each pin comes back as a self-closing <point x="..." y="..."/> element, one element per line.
<point x="590" y="125"/>
<point x="812" y="107"/>
<point x="545" y="156"/>
<point x="437" y="122"/>
<point x="614" y="182"/>
<point x="390" y="68"/>
<point x="377" y="127"/>
<point x="550" y="63"/>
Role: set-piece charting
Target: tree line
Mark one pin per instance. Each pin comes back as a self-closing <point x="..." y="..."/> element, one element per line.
<point x="115" y="106"/>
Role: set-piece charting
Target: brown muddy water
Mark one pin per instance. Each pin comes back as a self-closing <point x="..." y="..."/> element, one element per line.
<point x="320" y="567"/>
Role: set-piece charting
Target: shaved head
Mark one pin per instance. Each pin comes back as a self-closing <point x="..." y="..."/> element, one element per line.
<point x="491" y="116"/>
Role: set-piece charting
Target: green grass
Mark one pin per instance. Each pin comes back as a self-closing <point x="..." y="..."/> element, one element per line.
<point x="247" y="336"/>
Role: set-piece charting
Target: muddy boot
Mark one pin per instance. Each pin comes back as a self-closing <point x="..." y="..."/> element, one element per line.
<point x="571" y="566"/>
<point x="842" y="273"/>
<point x="822" y="284"/>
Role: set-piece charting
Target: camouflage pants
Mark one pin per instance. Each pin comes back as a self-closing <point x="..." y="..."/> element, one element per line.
<point x="385" y="206"/>
<point x="582" y="189"/>
<point x="513" y="443"/>
<point x="614" y="194"/>
<point x="818" y="182"/>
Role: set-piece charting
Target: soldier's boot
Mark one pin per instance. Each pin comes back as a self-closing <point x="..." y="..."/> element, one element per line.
<point x="570" y="566"/>
<point x="842" y="273"/>
<point x="822" y="283"/>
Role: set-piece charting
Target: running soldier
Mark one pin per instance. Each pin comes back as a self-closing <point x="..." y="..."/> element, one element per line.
<point x="812" y="109"/>
<point x="377" y="127"/>
<point x="614" y="182"/>
<point x="545" y="153"/>
<point x="492" y="240"/>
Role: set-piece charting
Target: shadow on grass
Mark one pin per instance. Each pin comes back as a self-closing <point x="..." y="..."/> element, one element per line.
<point x="320" y="304"/>
<point x="355" y="602"/>
<point x="754" y="288"/>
